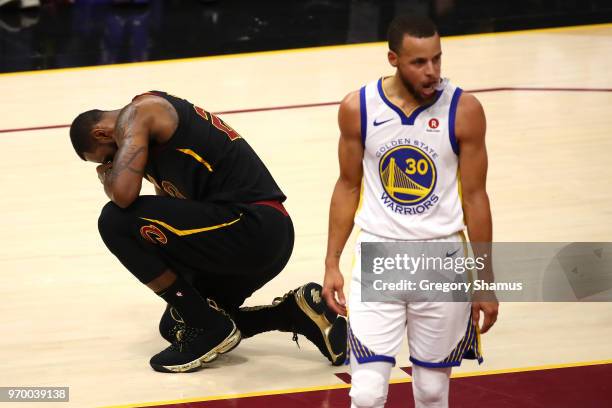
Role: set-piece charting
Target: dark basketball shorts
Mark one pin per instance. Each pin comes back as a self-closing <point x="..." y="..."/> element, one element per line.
<point x="227" y="251"/>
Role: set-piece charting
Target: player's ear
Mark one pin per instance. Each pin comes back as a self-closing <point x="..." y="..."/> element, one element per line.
<point x="393" y="57"/>
<point x="101" y="135"/>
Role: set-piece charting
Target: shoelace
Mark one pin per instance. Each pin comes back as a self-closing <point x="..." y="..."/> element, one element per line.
<point x="179" y="329"/>
<point x="174" y="314"/>
<point x="295" y="338"/>
<point x="185" y="334"/>
<point x="275" y="302"/>
<point x="278" y="300"/>
<point x="213" y="305"/>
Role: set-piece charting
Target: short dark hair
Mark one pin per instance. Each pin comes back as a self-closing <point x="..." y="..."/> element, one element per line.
<point x="80" y="131"/>
<point x="412" y="25"/>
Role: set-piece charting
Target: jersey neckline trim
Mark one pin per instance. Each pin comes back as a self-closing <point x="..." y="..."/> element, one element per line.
<point x="406" y="119"/>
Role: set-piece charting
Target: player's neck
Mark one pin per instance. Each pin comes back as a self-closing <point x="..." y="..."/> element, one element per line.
<point x="398" y="93"/>
<point x="114" y="114"/>
<point x="109" y="118"/>
<point x="108" y="121"/>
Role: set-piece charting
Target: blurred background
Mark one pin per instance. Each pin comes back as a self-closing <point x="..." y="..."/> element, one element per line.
<point x="72" y="316"/>
<point x="39" y="34"/>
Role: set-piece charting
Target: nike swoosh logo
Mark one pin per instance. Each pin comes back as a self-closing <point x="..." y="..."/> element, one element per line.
<point x="380" y="123"/>
<point x="452" y="253"/>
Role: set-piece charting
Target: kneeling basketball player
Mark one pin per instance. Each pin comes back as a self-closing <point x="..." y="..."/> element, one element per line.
<point x="215" y="232"/>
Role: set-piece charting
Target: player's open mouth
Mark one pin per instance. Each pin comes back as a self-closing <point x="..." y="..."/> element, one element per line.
<point x="429" y="89"/>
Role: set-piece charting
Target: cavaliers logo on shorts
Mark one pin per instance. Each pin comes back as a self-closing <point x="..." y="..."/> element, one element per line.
<point x="408" y="175"/>
<point x="153" y="234"/>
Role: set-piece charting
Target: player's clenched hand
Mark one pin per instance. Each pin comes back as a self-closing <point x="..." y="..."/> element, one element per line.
<point x="332" y="290"/>
<point x="488" y="304"/>
<point x="103" y="170"/>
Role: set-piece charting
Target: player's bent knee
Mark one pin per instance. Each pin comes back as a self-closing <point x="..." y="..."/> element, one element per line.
<point x="111" y="220"/>
<point x="368" y="389"/>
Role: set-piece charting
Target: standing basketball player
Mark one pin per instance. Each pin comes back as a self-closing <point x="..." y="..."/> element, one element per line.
<point x="216" y="231"/>
<point x="420" y="127"/>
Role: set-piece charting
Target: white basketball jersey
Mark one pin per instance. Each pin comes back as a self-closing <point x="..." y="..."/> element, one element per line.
<point x="411" y="188"/>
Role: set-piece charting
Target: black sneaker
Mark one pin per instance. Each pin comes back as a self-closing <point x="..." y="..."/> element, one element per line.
<point x="170" y="324"/>
<point x="311" y="317"/>
<point x="193" y="346"/>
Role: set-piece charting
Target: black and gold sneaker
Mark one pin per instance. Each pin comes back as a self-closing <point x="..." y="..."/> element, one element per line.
<point x="193" y="346"/>
<point x="170" y="324"/>
<point x="311" y="317"/>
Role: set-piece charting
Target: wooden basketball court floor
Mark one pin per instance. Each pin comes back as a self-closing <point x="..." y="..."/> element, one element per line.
<point x="72" y="316"/>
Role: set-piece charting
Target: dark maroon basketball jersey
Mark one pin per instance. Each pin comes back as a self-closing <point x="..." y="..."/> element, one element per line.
<point x="207" y="160"/>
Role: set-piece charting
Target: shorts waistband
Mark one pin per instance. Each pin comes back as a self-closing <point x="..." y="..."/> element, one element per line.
<point x="274" y="204"/>
<point x="366" y="236"/>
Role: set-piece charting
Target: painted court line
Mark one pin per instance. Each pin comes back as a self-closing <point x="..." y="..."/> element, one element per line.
<point x="532" y="369"/>
<point x="317" y="105"/>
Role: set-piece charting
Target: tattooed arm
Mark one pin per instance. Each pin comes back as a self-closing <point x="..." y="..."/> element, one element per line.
<point x="123" y="181"/>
